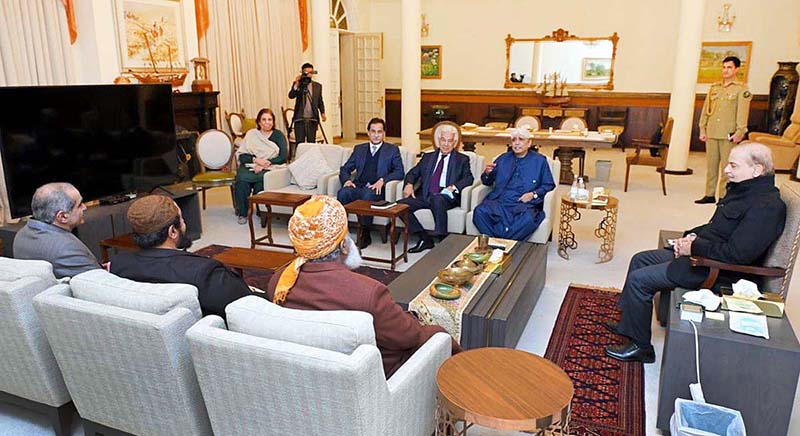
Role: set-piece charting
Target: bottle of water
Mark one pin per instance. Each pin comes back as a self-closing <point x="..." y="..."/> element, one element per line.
<point x="582" y="193"/>
<point x="573" y="191"/>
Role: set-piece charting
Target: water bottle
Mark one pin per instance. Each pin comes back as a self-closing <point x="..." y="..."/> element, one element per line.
<point x="573" y="191"/>
<point x="582" y="193"/>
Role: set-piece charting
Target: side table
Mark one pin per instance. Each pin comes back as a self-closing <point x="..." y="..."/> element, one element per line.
<point x="239" y="258"/>
<point x="122" y="242"/>
<point x="503" y="389"/>
<point x="363" y="208"/>
<point x="269" y="199"/>
<point x="606" y="230"/>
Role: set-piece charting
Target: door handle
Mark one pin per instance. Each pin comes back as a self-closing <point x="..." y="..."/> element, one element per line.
<point x="380" y="100"/>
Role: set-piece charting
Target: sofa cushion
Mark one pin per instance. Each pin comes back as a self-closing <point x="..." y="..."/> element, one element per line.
<point x="15" y="269"/>
<point x="309" y="167"/>
<point x="100" y="286"/>
<point x="335" y="330"/>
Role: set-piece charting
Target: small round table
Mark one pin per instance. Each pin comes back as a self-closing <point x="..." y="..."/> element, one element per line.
<point x="503" y="389"/>
<point x="606" y="230"/>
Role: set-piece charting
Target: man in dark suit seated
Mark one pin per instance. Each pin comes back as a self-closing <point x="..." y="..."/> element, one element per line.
<point x="374" y="163"/>
<point x="57" y="210"/>
<point x="747" y="221"/>
<point x="160" y="232"/>
<point x="435" y="183"/>
<point x="308" y="105"/>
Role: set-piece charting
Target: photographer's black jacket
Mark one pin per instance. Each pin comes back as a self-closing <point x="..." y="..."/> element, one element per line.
<point x="317" y="105"/>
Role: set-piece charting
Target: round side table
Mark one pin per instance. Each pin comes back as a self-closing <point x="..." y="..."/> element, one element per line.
<point x="503" y="389"/>
<point x="606" y="230"/>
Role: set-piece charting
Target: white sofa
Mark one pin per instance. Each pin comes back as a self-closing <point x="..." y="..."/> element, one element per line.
<point x="550" y="207"/>
<point x="122" y="348"/>
<point x="29" y="374"/>
<point x="278" y="371"/>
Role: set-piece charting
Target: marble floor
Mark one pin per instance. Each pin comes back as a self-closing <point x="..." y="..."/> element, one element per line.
<point x="643" y="210"/>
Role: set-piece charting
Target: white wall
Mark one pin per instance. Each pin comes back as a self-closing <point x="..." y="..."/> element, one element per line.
<point x="96" y="51"/>
<point x="472" y="34"/>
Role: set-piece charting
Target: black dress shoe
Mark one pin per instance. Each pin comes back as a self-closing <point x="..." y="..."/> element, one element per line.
<point x="422" y="245"/>
<point x="631" y="353"/>
<point x="611" y="326"/>
<point x="366" y="239"/>
<point x="706" y="200"/>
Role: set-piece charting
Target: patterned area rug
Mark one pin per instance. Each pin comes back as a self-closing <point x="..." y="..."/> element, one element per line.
<point x="609" y="394"/>
<point x="260" y="278"/>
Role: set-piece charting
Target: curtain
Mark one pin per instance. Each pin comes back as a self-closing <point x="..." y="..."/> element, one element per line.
<point x="34" y="50"/>
<point x="255" y="51"/>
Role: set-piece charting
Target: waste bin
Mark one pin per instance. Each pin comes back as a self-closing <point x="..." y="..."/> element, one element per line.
<point x="692" y="418"/>
<point x="602" y="171"/>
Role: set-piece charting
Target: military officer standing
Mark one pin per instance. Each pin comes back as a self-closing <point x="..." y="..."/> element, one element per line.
<point x="723" y="123"/>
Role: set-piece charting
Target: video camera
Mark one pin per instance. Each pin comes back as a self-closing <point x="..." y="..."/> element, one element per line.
<point x="305" y="78"/>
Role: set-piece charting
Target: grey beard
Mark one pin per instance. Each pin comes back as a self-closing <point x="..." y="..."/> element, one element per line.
<point x="353" y="259"/>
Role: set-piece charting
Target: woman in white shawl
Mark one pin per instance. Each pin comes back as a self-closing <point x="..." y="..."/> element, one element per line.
<point x="261" y="148"/>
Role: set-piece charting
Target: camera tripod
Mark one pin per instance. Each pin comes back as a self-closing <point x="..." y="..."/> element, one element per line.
<point x="308" y="120"/>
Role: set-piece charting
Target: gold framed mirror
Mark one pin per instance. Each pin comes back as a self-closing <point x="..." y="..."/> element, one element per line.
<point x="571" y="61"/>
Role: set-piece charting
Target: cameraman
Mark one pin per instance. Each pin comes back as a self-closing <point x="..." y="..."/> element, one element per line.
<point x="308" y="105"/>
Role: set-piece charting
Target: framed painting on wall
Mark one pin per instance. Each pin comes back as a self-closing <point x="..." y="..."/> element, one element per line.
<point x="431" y="61"/>
<point x="596" y="69"/>
<point x="712" y="54"/>
<point x="151" y="36"/>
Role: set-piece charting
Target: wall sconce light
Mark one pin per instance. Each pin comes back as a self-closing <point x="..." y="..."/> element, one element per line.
<point x="425" y="27"/>
<point x="725" y="21"/>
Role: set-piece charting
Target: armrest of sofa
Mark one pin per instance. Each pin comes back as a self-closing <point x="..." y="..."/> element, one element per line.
<point x="479" y="193"/>
<point x="276" y="179"/>
<point x="772" y="140"/>
<point x="393" y="190"/>
<point x="322" y="182"/>
<point x="333" y="185"/>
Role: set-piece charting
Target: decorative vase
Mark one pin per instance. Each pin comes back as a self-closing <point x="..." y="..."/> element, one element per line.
<point x="782" y="93"/>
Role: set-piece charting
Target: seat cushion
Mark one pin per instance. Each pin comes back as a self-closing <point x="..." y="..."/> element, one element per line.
<point x="309" y="167"/>
<point x="100" y="286"/>
<point x="336" y="330"/>
<point x="214" y="177"/>
<point x="248" y="123"/>
<point x="15" y="269"/>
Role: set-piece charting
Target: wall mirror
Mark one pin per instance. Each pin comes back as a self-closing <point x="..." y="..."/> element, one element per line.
<point x="578" y="62"/>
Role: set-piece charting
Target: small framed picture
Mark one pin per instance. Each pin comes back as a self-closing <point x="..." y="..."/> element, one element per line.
<point x="712" y="54"/>
<point x="431" y="61"/>
<point x="596" y="69"/>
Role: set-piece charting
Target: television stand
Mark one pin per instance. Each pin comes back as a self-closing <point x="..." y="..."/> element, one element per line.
<point x="108" y="221"/>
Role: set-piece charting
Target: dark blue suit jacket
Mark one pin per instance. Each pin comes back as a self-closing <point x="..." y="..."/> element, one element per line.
<point x="458" y="172"/>
<point x="390" y="166"/>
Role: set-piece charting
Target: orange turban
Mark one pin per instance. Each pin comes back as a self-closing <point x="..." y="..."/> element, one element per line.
<point x="316" y="228"/>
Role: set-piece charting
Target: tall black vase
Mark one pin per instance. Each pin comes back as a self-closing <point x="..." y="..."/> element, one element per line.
<point x="782" y="93"/>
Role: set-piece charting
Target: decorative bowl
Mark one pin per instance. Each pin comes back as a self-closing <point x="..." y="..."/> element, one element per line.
<point x="478" y="257"/>
<point x="468" y="264"/>
<point x="454" y="275"/>
<point x="444" y="291"/>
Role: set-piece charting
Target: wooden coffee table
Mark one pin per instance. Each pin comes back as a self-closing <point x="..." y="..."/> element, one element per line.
<point x="122" y="242"/>
<point x="269" y="199"/>
<point x="503" y="389"/>
<point x="239" y="258"/>
<point x="606" y="230"/>
<point x="363" y="208"/>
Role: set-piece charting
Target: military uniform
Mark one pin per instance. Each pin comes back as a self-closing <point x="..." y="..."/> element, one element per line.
<point x="724" y="114"/>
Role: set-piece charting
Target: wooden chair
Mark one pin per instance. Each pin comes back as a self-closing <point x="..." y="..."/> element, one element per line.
<point x="236" y="123"/>
<point x="529" y="121"/>
<point x="214" y="150"/>
<point x="660" y="161"/>
<point x="574" y="123"/>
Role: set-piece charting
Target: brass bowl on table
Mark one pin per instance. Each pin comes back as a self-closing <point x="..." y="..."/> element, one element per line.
<point x="468" y="264"/>
<point x="455" y="276"/>
<point x="478" y="257"/>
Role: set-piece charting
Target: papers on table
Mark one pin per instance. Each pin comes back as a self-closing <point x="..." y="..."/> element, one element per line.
<point x="740" y="305"/>
<point x="754" y="325"/>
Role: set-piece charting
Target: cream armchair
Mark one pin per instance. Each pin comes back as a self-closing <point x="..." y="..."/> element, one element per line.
<point x="281" y="180"/>
<point x="550" y="207"/>
<point x="786" y="148"/>
<point x="278" y="371"/>
<point x="122" y="348"/>
<point x="30" y="376"/>
<point x="456" y="217"/>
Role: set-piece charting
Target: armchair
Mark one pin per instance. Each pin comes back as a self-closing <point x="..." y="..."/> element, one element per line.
<point x="30" y="377"/>
<point x="278" y="371"/>
<point x="660" y="161"/>
<point x="776" y="272"/>
<point x="215" y="150"/>
<point x="785" y="148"/>
<point x="280" y="179"/>
<point x="550" y="207"/>
<point x="122" y="348"/>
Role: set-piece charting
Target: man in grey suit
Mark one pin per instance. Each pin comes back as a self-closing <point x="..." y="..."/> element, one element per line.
<point x="57" y="209"/>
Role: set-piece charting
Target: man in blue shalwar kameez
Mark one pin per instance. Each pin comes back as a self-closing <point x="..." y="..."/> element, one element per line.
<point x="521" y="178"/>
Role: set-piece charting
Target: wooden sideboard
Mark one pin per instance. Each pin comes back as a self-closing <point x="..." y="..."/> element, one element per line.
<point x="195" y="110"/>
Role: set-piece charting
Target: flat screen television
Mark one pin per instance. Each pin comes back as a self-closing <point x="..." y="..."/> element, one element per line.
<point x="104" y="139"/>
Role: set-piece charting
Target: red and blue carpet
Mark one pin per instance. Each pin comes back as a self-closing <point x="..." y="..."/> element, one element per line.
<point x="609" y="394"/>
